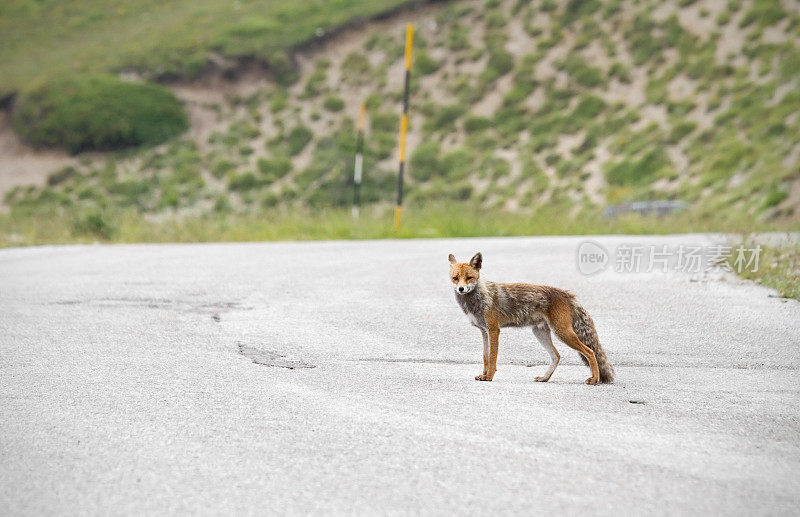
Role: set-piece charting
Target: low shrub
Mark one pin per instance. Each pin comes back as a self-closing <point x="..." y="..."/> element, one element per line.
<point x="637" y="171"/>
<point x="244" y="181"/>
<point x="425" y="64"/>
<point x="765" y="12"/>
<point x="681" y="130"/>
<point x="775" y="196"/>
<point x="459" y="163"/>
<point x="445" y="116"/>
<point x="93" y="223"/>
<point x="589" y="108"/>
<point x="298" y="139"/>
<point x="473" y="124"/>
<point x="129" y="191"/>
<point x="316" y="82"/>
<point x="334" y="104"/>
<point x="222" y="167"/>
<point x="583" y="73"/>
<point x="274" y="168"/>
<point x="425" y="161"/>
<point x="62" y="175"/>
<point x="98" y="112"/>
<point x="385" y="122"/>
<point x="355" y="68"/>
<point x="458" y="38"/>
<point x="279" y="101"/>
<point x="500" y="63"/>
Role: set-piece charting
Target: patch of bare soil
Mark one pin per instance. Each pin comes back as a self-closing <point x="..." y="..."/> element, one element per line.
<point x="22" y="165"/>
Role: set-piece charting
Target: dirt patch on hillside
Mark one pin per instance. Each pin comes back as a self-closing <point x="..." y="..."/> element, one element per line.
<point x="22" y="165"/>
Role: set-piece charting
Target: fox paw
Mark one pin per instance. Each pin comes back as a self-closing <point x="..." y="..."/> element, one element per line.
<point x="541" y="379"/>
<point x="483" y="377"/>
<point x="591" y="381"/>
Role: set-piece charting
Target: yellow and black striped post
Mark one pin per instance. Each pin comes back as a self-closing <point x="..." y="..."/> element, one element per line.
<point x="359" y="161"/>
<point x="404" y="127"/>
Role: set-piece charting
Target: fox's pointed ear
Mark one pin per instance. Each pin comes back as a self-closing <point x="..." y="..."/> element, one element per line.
<point x="476" y="261"/>
<point x="451" y="258"/>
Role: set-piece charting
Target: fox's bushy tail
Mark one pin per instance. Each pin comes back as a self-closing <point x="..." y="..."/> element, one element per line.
<point x="583" y="326"/>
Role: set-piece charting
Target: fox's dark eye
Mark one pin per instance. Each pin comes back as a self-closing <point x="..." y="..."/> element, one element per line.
<point x="455" y="279"/>
<point x="469" y="278"/>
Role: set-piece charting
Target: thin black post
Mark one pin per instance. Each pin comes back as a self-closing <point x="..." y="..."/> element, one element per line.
<point x="359" y="161"/>
<point x="404" y="127"/>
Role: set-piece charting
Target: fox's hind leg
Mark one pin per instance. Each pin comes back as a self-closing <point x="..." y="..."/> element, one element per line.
<point x="542" y="333"/>
<point x="560" y="318"/>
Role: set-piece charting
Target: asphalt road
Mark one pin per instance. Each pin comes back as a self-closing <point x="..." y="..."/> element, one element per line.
<point x="153" y="379"/>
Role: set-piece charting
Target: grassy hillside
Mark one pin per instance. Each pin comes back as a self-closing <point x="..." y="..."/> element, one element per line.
<point x="40" y="39"/>
<point x="536" y="111"/>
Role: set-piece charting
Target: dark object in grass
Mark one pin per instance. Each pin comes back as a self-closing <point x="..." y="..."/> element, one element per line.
<point x="659" y="208"/>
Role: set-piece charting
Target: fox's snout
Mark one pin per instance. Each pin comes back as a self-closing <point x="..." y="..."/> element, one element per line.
<point x="464" y="289"/>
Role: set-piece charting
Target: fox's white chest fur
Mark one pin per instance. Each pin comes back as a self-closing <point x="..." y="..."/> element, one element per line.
<point x="473" y="303"/>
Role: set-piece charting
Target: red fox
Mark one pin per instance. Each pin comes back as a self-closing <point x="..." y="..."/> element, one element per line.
<point x="492" y="306"/>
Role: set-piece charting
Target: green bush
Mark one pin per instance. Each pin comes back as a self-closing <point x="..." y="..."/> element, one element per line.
<point x="589" y="108"/>
<point x="473" y="124"/>
<point x="425" y="160"/>
<point x="130" y="191"/>
<point x="385" y="122"/>
<point x="334" y="104"/>
<point x="681" y="130"/>
<point x="620" y="71"/>
<point x="316" y="82"/>
<point x="274" y="168"/>
<point x="500" y="63"/>
<point x="578" y="8"/>
<point x="496" y="167"/>
<point x="494" y="18"/>
<point x="583" y="73"/>
<point x="765" y="12"/>
<point x="643" y="44"/>
<point x="445" y="116"/>
<point x="458" y="37"/>
<point x="355" y="68"/>
<point x="775" y="196"/>
<point x="62" y="175"/>
<point x="637" y="172"/>
<point x="280" y="99"/>
<point x="459" y="163"/>
<point x="222" y="204"/>
<point x="298" y="139"/>
<point x="381" y="145"/>
<point x="222" y="167"/>
<point x="98" y="112"/>
<point x="244" y="181"/>
<point x="93" y="223"/>
<point x="425" y="63"/>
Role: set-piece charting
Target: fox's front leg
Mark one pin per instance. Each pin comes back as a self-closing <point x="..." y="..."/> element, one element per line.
<point x="491" y="364"/>
<point x="485" y="336"/>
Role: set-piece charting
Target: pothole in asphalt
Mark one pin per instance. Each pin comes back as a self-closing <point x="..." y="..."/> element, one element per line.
<point x="185" y="305"/>
<point x="271" y="358"/>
